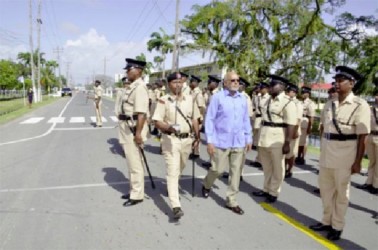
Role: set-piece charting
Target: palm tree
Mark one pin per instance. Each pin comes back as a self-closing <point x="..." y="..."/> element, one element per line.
<point x="147" y="68"/>
<point x="158" y="60"/>
<point x="48" y="78"/>
<point x="161" y="42"/>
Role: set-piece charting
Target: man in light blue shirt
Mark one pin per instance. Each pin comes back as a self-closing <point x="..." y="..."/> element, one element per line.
<point x="228" y="133"/>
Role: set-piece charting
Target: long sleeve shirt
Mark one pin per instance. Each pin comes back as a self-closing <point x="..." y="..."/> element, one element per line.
<point x="227" y="121"/>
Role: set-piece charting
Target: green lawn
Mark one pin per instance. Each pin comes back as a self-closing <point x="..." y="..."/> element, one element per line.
<point x="12" y="109"/>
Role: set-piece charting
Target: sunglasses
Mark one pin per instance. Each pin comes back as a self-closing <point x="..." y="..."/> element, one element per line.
<point x="235" y="80"/>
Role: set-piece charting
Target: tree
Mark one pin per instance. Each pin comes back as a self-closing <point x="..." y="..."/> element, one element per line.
<point x="48" y="79"/>
<point x="258" y="37"/>
<point x="161" y="42"/>
<point x="9" y="73"/>
<point x="147" y="68"/>
<point x="158" y="60"/>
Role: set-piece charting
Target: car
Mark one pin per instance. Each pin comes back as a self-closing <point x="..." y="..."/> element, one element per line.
<point x="66" y="91"/>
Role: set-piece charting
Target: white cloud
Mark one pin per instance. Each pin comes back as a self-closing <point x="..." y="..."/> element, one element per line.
<point x="10" y="52"/>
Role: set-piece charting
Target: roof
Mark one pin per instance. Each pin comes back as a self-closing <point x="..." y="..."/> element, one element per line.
<point x="321" y="86"/>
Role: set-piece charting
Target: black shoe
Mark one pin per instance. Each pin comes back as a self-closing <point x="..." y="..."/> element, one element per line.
<point x="316" y="191"/>
<point x="236" y="210"/>
<point x="193" y="156"/>
<point x="373" y="190"/>
<point x="254" y="147"/>
<point x="257" y="164"/>
<point x="131" y="202"/>
<point x="125" y="196"/>
<point x="260" y="193"/>
<point x="270" y="199"/>
<point x="177" y="213"/>
<point x="334" y="234"/>
<point x="320" y="227"/>
<point x="205" y="192"/>
<point x="297" y="160"/>
<point x="365" y="186"/>
<point x="206" y="164"/>
<point x="288" y="175"/>
<point x="241" y="178"/>
<point x="225" y="175"/>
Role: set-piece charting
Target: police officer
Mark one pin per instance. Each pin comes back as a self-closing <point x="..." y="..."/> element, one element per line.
<point x="291" y="92"/>
<point x="199" y="101"/>
<point x="98" y="91"/>
<point x="185" y="87"/>
<point x="306" y="125"/>
<point x="262" y="101"/>
<point x="119" y="96"/>
<point x="277" y="129"/>
<point x="159" y="91"/>
<point x="133" y="128"/>
<point x="212" y="86"/>
<point x="371" y="183"/>
<point x="176" y="116"/>
<point x="346" y="123"/>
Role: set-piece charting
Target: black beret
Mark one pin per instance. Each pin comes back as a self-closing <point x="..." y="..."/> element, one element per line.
<point x="244" y="82"/>
<point x="263" y="85"/>
<point x="275" y="79"/>
<point x="183" y="74"/>
<point x="213" y="78"/>
<point x="292" y="87"/>
<point x="347" y="73"/>
<point x="174" y="76"/>
<point x="305" y="89"/>
<point x="194" y="78"/>
<point x="132" y="63"/>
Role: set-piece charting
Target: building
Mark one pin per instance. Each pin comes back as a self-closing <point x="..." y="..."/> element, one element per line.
<point x="320" y="90"/>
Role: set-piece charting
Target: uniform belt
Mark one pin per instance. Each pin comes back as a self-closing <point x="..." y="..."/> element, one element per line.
<point x="127" y="117"/>
<point x="254" y="110"/>
<point x="307" y="116"/>
<point x="273" y="124"/>
<point x="258" y="115"/>
<point x="338" y="137"/>
<point x="374" y="132"/>
<point x="180" y="136"/>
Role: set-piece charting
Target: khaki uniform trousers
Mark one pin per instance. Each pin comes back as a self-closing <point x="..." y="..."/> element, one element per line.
<point x="98" y="113"/>
<point x="222" y="157"/>
<point x="303" y="137"/>
<point x="135" y="165"/>
<point x="273" y="163"/>
<point x="334" y="186"/>
<point x="372" y="152"/>
<point x="293" y="148"/>
<point x="176" y="153"/>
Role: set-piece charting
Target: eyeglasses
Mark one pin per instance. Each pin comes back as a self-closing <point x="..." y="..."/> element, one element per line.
<point x="235" y="80"/>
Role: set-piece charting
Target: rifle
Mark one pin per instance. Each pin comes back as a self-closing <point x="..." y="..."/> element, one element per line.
<point x="144" y="157"/>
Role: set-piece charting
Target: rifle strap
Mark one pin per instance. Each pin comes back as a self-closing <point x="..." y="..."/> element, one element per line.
<point x="334" y="118"/>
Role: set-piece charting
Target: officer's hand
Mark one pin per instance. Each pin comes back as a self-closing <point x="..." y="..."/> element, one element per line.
<point x="138" y="139"/>
<point x="210" y="149"/>
<point x="248" y="147"/>
<point x="356" y="168"/>
<point x="195" y="143"/>
<point x="171" y="130"/>
<point x="295" y="136"/>
<point x="286" y="147"/>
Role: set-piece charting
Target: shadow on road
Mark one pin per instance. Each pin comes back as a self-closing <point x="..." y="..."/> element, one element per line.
<point x="115" y="147"/>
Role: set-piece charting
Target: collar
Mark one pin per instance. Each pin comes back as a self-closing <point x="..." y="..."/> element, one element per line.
<point x="227" y="93"/>
<point x="135" y="83"/>
<point x="349" y="98"/>
<point x="280" y="96"/>
<point x="181" y="98"/>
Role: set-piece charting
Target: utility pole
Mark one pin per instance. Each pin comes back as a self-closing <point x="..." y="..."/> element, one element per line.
<point x="67" y="73"/>
<point x="175" y="47"/>
<point x="39" y="21"/>
<point x="31" y="47"/>
<point x="58" y="51"/>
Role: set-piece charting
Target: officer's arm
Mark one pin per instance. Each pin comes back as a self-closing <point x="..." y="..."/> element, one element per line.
<point x="140" y="108"/>
<point x="195" y="124"/>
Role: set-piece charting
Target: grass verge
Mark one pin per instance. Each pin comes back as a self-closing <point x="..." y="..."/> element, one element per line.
<point x="15" y="108"/>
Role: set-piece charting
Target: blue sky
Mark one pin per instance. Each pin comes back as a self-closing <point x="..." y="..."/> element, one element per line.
<point x="90" y="30"/>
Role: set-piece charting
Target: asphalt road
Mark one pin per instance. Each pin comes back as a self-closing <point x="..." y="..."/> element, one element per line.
<point x="61" y="180"/>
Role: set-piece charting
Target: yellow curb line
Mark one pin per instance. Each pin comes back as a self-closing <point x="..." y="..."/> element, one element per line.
<point x="317" y="237"/>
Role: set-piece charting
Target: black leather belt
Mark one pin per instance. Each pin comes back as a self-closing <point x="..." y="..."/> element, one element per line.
<point x="127" y="117"/>
<point x="180" y="136"/>
<point x="258" y="115"/>
<point x="374" y="132"/>
<point x="272" y="124"/>
<point x="338" y="137"/>
<point x="307" y="116"/>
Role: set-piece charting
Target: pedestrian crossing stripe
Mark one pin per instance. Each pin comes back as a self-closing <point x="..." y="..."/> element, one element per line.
<point x="74" y="119"/>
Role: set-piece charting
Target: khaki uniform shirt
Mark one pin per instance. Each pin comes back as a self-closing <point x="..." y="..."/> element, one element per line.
<point x="308" y="111"/>
<point x="374" y="123"/>
<point x="353" y="117"/>
<point x="299" y="106"/>
<point x="134" y="101"/>
<point x="282" y="110"/>
<point x="185" y="89"/>
<point x="152" y="96"/>
<point x="98" y="91"/>
<point x="198" y="97"/>
<point x="166" y="112"/>
<point x="118" y="100"/>
<point x="249" y="103"/>
<point x="262" y="101"/>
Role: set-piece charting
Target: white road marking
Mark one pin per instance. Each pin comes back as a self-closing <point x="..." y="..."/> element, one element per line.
<point x="86" y="128"/>
<point x="103" y="184"/>
<point x="114" y="119"/>
<point x="56" y="120"/>
<point x="32" y="120"/>
<point x="79" y="119"/>
<point x="44" y="134"/>
<point x="93" y="119"/>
